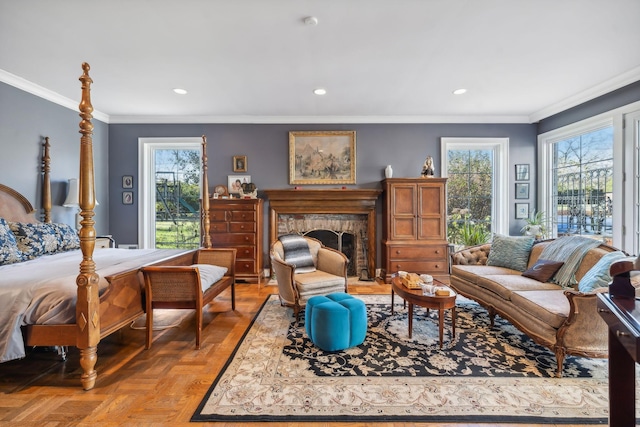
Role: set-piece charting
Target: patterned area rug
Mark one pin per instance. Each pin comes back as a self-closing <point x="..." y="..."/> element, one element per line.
<point x="277" y="374"/>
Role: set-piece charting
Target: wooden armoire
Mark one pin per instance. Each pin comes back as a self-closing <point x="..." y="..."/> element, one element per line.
<point x="414" y="235"/>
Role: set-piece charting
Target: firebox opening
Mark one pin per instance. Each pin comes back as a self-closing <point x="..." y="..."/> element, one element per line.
<point x="340" y="241"/>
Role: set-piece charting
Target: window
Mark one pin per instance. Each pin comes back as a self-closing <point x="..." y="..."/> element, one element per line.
<point x="582" y="170"/>
<point x="170" y="173"/>
<point x="582" y="184"/>
<point x="477" y="192"/>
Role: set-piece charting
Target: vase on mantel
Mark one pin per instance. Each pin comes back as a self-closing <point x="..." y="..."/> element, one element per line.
<point x="388" y="171"/>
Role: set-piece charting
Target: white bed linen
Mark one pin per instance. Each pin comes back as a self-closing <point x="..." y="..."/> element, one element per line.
<point x="44" y="290"/>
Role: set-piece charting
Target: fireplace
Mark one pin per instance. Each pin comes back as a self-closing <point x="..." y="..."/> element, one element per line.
<point x="342" y="219"/>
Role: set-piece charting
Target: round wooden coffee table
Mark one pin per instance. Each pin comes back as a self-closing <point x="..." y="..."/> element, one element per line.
<point x="415" y="297"/>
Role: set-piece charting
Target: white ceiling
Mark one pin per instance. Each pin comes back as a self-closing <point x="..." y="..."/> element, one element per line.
<point x="255" y="61"/>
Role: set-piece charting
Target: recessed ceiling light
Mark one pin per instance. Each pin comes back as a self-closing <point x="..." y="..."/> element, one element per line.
<point x="459" y="91"/>
<point x="180" y="91"/>
<point x="320" y="91"/>
<point x="311" y="21"/>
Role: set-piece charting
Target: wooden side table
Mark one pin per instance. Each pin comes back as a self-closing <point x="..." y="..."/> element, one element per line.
<point x="415" y="297"/>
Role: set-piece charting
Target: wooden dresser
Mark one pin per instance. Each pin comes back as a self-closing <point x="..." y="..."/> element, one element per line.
<point x="414" y="235"/>
<point x="237" y="223"/>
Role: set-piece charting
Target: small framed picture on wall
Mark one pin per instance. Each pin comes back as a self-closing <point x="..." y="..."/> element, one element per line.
<point x="239" y="163"/>
<point x="522" y="190"/>
<point x="522" y="172"/>
<point x="127" y="181"/>
<point x="127" y="197"/>
<point x="522" y="210"/>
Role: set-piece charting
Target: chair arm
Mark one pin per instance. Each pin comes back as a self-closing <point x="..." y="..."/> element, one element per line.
<point x="332" y="261"/>
<point x="167" y="283"/>
<point x="584" y="331"/>
<point x="284" y="277"/>
<point x="473" y="255"/>
<point x="222" y="257"/>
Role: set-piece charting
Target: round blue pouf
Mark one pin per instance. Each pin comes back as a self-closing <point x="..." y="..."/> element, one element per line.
<point x="336" y="321"/>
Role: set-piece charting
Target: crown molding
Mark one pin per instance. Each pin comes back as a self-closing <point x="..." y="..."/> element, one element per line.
<point x="44" y="93"/>
<point x="610" y="85"/>
<point x="314" y="119"/>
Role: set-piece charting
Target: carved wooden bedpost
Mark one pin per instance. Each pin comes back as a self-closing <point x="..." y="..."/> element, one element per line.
<point x="46" y="181"/>
<point x="206" y="237"/>
<point x="87" y="306"/>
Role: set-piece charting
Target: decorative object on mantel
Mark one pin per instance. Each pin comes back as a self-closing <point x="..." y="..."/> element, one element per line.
<point x="427" y="169"/>
<point x="322" y="157"/>
<point x="248" y="190"/>
<point x="388" y="171"/>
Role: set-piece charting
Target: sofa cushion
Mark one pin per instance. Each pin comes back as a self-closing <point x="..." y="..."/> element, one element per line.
<point x="471" y="273"/>
<point x="318" y="283"/>
<point x="543" y="270"/>
<point x="505" y="285"/>
<point x="510" y="251"/>
<point x="598" y="276"/>
<point x="550" y="306"/>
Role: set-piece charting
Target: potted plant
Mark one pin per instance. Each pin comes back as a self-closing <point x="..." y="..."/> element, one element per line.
<point x="535" y="225"/>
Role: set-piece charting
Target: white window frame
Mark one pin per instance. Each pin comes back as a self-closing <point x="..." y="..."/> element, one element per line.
<point x="500" y="148"/>
<point x="624" y="199"/>
<point x="146" y="172"/>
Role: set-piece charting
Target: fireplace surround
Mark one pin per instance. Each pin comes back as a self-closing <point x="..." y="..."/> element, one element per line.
<point x="340" y="211"/>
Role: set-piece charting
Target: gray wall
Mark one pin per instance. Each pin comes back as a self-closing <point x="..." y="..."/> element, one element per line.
<point x="615" y="99"/>
<point x="25" y="120"/>
<point x="404" y="146"/>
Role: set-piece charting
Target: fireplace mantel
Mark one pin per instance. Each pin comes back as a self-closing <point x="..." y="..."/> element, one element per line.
<point x="330" y="201"/>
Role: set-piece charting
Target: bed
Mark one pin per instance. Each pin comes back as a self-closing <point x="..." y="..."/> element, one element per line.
<point x="96" y="292"/>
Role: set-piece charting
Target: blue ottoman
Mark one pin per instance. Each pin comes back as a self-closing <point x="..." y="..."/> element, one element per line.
<point x="336" y="321"/>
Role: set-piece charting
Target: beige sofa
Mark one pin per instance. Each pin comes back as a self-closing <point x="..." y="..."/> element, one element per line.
<point x="564" y="320"/>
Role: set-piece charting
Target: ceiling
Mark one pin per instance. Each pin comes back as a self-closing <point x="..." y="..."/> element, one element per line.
<point x="381" y="61"/>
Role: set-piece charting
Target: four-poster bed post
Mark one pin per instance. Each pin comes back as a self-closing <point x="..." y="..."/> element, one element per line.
<point x="205" y="226"/>
<point x="87" y="305"/>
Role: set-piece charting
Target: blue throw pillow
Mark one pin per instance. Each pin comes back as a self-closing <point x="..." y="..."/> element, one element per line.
<point x="598" y="276"/>
<point x="9" y="252"/>
<point x="510" y="251"/>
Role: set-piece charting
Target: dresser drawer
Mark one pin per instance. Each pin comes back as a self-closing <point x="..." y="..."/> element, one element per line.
<point x="243" y="216"/>
<point x="436" y="252"/>
<point x="226" y="239"/>
<point x="245" y="266"/>
<point x="218" y="227"/>
<point x="428" y="267"/>
<point x="217" y="215"/>
<point x="245" y="252"/>
<point x="242" y="227"/>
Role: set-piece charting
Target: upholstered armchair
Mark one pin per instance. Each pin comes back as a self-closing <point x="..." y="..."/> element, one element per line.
<point x="295" y="289"/>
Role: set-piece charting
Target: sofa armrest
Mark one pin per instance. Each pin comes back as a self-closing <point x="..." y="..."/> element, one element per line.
<point x="285" y="277"/>
<point x="584" y="332"/>
<point x="473" y="255"/>
<point x="332" y="261"/>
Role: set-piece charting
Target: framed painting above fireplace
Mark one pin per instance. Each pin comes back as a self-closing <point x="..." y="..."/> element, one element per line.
<point x="322" y="157"/>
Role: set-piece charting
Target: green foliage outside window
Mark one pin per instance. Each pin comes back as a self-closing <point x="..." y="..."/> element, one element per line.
<point x="469" y="196"/>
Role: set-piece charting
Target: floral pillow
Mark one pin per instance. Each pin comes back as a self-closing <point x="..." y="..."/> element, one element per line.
<point x="9" y="252"/>
<point x="68" y="238"/>
<point x="35" y="239"/>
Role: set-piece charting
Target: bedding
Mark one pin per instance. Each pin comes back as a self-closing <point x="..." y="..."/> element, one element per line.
<point x="44" y="290"/>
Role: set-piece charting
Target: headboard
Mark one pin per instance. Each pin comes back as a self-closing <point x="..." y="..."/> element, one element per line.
<point x="15" y="207"/>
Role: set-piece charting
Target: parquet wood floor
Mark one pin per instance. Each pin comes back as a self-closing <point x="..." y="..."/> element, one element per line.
<point x="155" y="387"/>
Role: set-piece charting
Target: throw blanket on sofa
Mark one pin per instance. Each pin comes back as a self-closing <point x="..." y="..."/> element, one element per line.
<point x="296" y="252"/>
<point x="571" y="250"/>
